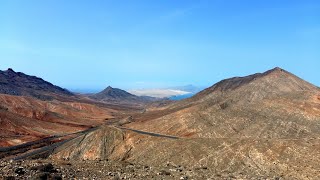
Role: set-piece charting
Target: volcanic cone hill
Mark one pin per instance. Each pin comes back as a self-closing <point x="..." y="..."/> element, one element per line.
<point x="120" y="96"/>
<point x="261" y="125"/>
<point x="110" y="93"/>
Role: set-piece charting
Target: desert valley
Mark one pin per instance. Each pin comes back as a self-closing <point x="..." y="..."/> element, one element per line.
<point x="261" y="126"/>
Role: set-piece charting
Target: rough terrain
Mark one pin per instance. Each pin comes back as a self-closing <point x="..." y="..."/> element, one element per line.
<point x="262" y="126"/>
<point x="46" y="169"/>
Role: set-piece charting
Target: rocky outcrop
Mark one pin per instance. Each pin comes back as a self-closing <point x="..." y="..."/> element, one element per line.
<point x="102" y="144"/>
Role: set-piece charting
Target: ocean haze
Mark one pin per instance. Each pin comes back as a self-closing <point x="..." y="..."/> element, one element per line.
<point x="174" y="93"/>
<point x="159" y="93"/>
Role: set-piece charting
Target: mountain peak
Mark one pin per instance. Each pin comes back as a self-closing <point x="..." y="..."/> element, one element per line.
<point x="112" y="93"/>
<point x="119" y="95"/>
<point x="275" y="70"/>
<point x="109" y="87"/>
<point x="10" y="70"/>
<point x="108" y="90"/>
<point x="273" y="81"/>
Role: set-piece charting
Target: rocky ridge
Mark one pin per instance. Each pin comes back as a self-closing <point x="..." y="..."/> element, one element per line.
<point x="20" y="84"/>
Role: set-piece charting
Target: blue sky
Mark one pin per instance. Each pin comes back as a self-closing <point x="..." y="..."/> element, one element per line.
<point x="145" y="44"/>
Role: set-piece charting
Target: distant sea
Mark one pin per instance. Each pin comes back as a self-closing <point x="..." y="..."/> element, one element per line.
<point x="180" y="97"/>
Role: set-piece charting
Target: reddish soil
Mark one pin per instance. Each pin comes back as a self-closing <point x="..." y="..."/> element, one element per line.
<point x="24" y="119"/>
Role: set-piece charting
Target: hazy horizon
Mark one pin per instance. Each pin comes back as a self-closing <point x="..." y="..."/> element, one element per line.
<point x="158" y="44"/>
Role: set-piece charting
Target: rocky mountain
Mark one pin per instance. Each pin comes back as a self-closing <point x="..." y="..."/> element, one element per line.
<point x="20" y="84"/>
<point x="263" y="125"/>
<point x="269" y="83"/>
<point x="237" y="106"/>
<point x="110" y="93"/>
<point x="116" y="95"/>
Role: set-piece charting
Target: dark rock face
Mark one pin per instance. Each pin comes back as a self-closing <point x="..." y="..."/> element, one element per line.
<point x="20" y="84"/>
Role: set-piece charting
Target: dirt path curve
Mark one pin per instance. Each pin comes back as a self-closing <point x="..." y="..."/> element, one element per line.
<point x="147" y="133"/>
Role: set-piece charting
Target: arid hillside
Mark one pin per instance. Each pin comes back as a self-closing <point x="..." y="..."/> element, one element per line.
<point x="262" y="125"/>
<point x="25" y="119"/>
<point x="274" y="104"/>
<point x="32" y="108"/>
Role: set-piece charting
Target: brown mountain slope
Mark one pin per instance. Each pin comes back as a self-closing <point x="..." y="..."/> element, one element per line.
<point x="32" y="108"/>
<point x="16" y="129"/>
<point x="20" y="84"/>
<point x="275" y="80"/>
<point x="276" y="102"/>
<point x="25" y="119"/>
<point x="265" y="124"/>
